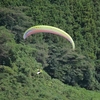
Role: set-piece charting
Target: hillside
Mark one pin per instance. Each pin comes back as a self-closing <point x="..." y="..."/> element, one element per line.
<point x="65" y="74"/>
<point x="40" y="87"/>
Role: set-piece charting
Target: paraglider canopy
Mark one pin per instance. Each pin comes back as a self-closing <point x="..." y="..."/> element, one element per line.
<point x="48" y="29"/>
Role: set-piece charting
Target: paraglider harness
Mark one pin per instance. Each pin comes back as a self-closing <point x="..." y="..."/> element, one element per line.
<point x="39" y="71"/>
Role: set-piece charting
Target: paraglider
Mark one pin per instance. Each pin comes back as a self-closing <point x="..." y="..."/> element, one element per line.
<point x="48" y="29"/>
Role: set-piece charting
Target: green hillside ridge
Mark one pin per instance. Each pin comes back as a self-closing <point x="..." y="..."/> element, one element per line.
<point x="65" y="74"/>
<point x="41" y="87"/>
<point x="20" y="81"/>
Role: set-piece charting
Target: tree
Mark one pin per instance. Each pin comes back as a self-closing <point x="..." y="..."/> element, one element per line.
<point x="71" y="68"/>
<point x="15" y="20"/>
<point x="5" y="36"/>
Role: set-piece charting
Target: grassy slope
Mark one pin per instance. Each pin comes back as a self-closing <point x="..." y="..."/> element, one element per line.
<point x="42" y="87"/>
<point x="53" y="89"/>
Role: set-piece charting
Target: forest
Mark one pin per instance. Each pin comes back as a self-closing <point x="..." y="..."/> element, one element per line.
<point x="64" y="74"/>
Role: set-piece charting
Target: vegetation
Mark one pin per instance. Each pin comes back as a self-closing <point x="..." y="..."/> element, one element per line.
<point x="65" y="74"/>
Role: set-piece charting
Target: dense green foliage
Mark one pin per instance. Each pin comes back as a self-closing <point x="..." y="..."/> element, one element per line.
<point x="21" y="59"/>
